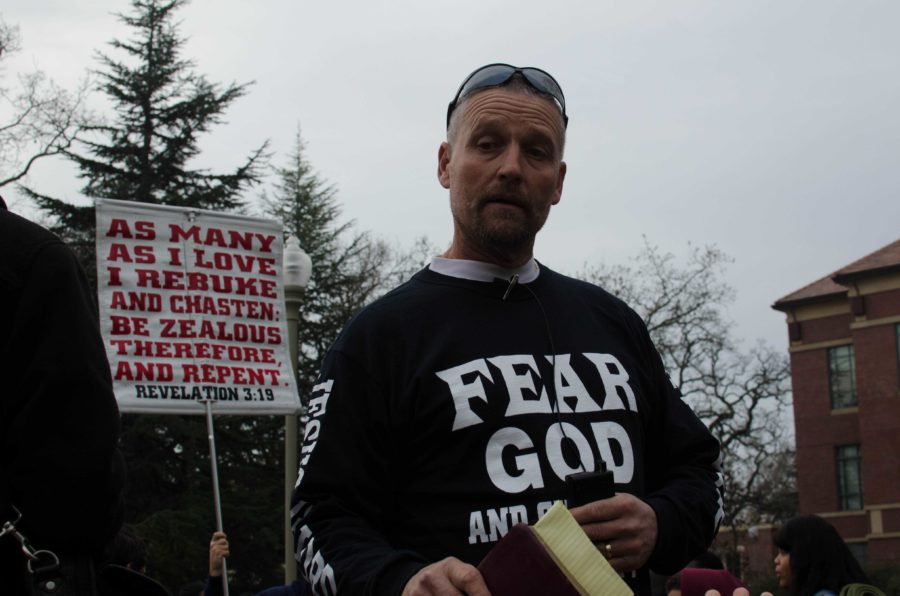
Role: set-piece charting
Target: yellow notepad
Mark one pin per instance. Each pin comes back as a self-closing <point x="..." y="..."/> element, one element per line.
<point x="576" y="555"/>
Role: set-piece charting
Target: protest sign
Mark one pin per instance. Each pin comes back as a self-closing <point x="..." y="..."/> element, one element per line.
<point x="192" y="308"/>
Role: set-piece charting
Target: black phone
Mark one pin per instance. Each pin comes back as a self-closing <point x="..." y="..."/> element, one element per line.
<point x="585" y="487"/>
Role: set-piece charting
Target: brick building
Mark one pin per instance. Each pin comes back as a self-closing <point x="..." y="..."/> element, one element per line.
<point x="844" y="332"/>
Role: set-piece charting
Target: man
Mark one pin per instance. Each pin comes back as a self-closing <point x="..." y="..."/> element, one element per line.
<point x="456" y="406"/>
<point x="59" y="423"/>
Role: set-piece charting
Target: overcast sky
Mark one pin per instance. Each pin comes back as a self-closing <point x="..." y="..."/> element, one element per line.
<point x="770" y="128"/>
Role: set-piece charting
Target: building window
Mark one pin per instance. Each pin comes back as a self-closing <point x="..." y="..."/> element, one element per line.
<point x="842" y="377"/>
<point x="849" y="476"/>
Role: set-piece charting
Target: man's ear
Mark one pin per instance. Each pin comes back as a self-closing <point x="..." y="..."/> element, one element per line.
<point x="559" y="182"/>
<point x="443" y="170"/>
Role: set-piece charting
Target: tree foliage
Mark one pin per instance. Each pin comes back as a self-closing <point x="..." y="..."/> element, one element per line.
<point x="350" y="268"/>
<point x="38" y="118"/>
<point x="741" y="394"/>
<point x="162" y="107"/>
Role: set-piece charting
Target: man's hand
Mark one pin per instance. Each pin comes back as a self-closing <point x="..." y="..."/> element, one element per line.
<point x="218" y="550"/>
<point x="448" y="577"/>
<point x="737" y="592"/>
<point x="626" y="524"/>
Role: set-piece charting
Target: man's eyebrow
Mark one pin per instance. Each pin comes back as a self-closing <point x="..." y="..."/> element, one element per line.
<point x="484" y="129"/>
<point x="494" y="124"/>
<point x="543" y="138"/>
<point x="537" y="134"/>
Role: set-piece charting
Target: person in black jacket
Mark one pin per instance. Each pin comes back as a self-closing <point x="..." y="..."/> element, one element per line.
<point x="458" y="404"/>
<point x="59" y="423"/>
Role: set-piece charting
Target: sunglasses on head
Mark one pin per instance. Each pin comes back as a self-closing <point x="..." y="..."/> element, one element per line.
<point x="497" y="75"/>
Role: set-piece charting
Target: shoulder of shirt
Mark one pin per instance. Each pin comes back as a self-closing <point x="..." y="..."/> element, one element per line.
<point x="385" y="311"/>
<point x="591" y="291"/>
<point x="23" y="243"/>
<point x="23" y="234"/>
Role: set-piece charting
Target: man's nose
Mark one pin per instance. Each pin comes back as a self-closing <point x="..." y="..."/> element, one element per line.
<point x="511" y="163"/>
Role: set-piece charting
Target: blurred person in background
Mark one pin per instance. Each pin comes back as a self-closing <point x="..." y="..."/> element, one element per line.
<point x="813" y="559"/>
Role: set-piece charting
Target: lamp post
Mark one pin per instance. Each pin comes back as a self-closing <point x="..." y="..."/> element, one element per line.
<point x="297" y="271"/>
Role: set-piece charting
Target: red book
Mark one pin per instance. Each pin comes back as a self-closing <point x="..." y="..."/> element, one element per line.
<point x="553" y="557"/>
<point x="520" y="565"/>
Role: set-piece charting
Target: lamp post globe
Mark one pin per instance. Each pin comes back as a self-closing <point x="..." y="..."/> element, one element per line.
<point x="297" y="264"/>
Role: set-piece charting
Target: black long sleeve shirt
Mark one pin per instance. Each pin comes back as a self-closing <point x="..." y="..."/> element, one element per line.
<point x="445" y="414"/>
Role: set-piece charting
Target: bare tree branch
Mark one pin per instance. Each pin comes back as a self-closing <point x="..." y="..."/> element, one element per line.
<point x="38" y="118"/>
<point x="742" y="396"/>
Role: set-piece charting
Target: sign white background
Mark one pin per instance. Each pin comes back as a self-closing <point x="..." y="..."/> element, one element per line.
<point x="192" y="308"/>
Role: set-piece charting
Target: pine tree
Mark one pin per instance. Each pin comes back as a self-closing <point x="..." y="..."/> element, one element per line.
<point x="350" y="268"/>
<point x="161" y="108"/>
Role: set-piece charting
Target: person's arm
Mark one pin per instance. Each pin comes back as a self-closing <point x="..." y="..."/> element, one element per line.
<point x="679" y="514"/>
<point x="218" y="550"/>
<point x="343" y="503"/>
<point x="685" y="484"/>
<point x="60" y="415"/>
<point x="689" y="500"/>
<point x="213" y="586"/>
